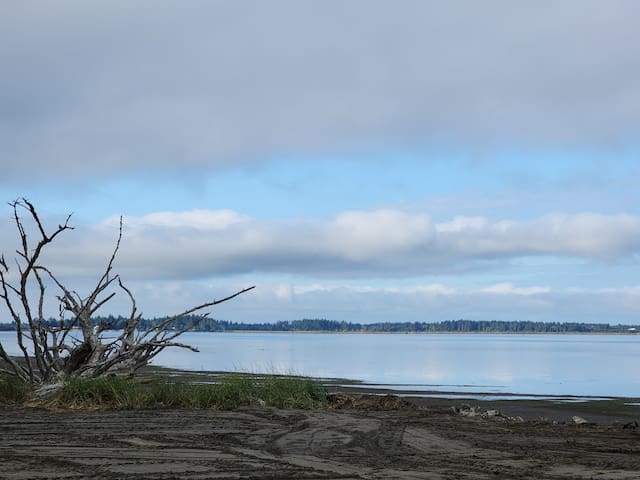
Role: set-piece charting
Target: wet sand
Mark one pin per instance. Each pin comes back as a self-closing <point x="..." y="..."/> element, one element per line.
<point x="374" y="438"/>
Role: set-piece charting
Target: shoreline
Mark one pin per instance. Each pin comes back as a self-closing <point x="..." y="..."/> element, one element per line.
<point x="605" y="410"/>
<point x="333" y="332"/>
<point x="368" y="435"/>
<point x="531" y="407"/>
<point x="364" y="332"/>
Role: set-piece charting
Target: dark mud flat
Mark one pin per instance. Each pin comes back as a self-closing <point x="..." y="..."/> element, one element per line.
<point x="351" y="443"/>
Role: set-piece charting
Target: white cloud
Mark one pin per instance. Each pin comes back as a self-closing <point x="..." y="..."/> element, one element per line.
<point x="461" y="224"/>
<point x="283" y="292"/>
<point x="509" y="289"/>
<point x="362" y="235"/>
<point x="425" y="302"/>
<point x="382" y="243"/>
<point x="167" y="281"/>
<point x="302" y="289"/>
<point x="193" y="219"/>
<point x="344" y="267"/>
<point x="427" y="290"/>
<point x="589" y="235"/>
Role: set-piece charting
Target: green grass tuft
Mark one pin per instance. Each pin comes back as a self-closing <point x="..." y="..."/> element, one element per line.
<point x="293" y="392"/>
<point x="232" y="391"/>
<point x="105" y="392"/>
<point x="235" y="391"/>
<point x="180" y="395"/>
<point x="13" y="389"/>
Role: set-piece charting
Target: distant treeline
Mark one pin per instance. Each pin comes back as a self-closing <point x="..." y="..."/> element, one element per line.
<point x="323" y="325"/>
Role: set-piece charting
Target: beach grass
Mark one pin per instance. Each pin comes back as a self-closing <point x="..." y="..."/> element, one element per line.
<point x="229" y="392"/>
<point x="293" y="392"/>
<point x="13" y="389"/>
<point x="106" y="392"/>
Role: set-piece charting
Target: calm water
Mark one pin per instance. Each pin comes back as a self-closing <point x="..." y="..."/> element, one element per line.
<point x="584" y="365"/>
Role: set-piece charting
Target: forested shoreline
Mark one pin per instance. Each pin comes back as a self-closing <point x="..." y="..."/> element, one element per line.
<point x="324" y="325"/>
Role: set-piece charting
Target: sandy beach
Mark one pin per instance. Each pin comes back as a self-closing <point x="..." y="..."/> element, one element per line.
<point x="377" y="438"/>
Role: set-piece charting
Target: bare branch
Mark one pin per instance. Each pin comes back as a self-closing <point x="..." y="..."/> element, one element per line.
<point x="59" y="350"/>
<point x="16" y="368"/>
<point x="166" y="323"/>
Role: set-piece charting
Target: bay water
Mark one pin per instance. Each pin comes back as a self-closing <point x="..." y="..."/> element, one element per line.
<point x="541" y="364"/>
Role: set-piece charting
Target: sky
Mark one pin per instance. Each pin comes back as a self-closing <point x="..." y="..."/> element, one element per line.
<point x="363" y="161"/>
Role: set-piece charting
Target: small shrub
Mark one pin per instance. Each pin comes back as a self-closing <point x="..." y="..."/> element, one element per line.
<point x="13" y="389"/>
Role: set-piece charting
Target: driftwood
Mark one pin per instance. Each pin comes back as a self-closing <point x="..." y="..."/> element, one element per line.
<point x="75" y="346"/>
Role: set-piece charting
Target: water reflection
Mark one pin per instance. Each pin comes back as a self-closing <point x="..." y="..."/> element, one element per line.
<point x="590" y="365"/>
<point x="595" y="365"/>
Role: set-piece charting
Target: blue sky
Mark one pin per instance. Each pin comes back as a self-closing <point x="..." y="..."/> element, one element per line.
<point x="361" y="162"/>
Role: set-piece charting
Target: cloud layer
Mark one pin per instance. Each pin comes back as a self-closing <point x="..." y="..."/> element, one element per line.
<point x="377" y="243"/>
<point x="436" y="302"/>
<point x="359" y="265"/>
<point x="417" y="302"/>
<point x="93" y="89"/>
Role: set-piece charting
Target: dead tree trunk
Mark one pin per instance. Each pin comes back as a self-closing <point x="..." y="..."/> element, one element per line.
<point x="75" y="346"/>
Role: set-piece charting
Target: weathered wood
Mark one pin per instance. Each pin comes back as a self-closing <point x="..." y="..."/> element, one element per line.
<point x="55" y="353"/>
